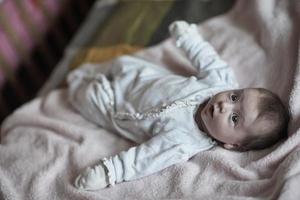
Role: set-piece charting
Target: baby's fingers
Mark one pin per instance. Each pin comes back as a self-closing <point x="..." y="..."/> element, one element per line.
<point x="178" y="28"/>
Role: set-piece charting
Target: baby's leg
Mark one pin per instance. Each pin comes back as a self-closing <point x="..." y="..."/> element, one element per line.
<point x="91" y="94"/>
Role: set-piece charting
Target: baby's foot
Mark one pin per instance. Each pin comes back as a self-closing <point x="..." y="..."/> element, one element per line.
<point x="93" y="178"/>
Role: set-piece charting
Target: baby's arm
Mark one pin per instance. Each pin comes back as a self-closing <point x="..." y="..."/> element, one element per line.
<point x="201" y="54"/>
<point x="159" y="152"/>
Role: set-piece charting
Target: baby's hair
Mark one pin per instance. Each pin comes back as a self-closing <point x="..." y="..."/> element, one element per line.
<point x="271" y="108"/>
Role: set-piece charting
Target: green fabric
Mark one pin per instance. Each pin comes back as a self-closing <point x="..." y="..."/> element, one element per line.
<point x="132" y="22"/>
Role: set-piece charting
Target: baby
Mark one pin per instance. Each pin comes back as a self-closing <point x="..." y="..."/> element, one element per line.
<point x="172" y="117"/>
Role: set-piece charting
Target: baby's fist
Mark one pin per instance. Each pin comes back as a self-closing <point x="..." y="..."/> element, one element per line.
<point x="93" y="178"/>
<point x="179" y="28"/>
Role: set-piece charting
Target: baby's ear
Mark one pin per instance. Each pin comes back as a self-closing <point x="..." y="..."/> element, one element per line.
<point x="231" y="146"/>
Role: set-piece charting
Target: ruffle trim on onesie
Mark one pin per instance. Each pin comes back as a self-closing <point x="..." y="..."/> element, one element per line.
<point x="110" y="176"/>
<point x="152" y="114"/>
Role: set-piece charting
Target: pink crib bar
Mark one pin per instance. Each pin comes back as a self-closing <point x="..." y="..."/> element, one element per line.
<point x="33" y="34"/>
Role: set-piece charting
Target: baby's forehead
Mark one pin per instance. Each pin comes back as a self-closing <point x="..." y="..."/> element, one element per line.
<point x="262" y="123"/>
<point x="253" y="92"/>
<point x="261" y="126"/>
<point x="250" y="106"/>
<point x="257" y="118"/>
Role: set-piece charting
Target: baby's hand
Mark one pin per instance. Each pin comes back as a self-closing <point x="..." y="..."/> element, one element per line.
<point x="93" y="178"/>
<point x="179" y="28"/>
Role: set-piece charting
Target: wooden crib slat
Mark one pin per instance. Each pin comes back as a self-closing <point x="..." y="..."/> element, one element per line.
<point x="59" y="35"/>
<point x="45" y="26"/>
<point x="18" y="44"/>
<point x="34" y="31"/>
<point x="9" y="74"/>
<point x="4" y="108"/>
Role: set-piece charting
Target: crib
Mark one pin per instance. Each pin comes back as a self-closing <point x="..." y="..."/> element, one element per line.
<point x="33" y="35"/>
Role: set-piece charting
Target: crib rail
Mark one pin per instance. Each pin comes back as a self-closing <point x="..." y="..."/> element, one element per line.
<point x="33" y="35"/>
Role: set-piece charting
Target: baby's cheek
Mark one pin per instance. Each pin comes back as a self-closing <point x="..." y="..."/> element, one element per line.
<point x="219" y="125"/>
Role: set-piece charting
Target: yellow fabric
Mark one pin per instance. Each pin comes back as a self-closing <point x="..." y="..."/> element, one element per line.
<point x="101" y="54"/>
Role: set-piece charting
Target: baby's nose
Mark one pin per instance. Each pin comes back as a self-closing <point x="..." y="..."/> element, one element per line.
<point x="224" y="106"/>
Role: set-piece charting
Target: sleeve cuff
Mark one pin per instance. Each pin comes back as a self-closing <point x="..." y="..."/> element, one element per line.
<point x="110" y="171"/>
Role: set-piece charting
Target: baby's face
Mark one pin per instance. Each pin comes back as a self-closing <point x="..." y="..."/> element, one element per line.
<point x="228" y="116"/>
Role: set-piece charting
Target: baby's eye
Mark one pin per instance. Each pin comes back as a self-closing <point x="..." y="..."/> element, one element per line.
<point x="234" y="118"/>
<point x="234" y="97"/>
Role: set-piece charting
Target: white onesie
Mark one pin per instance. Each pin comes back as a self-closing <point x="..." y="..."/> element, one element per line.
<point x="151" y="106"/>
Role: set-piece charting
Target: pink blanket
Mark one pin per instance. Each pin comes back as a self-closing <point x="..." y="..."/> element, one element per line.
<point x="45" y="143"/>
